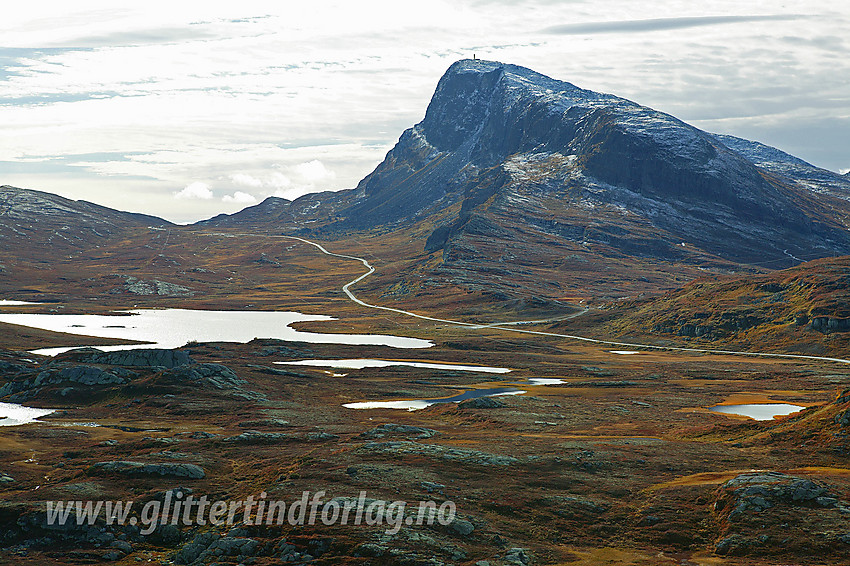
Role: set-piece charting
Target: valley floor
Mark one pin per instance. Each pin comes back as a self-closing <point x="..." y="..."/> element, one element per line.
<point x="621" y="463"/>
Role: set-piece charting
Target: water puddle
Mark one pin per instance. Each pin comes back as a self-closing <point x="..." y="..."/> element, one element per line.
<point x="416" y="404"/>
<point x="173" y="328"/>
<point x="758" y="411"/>
<point x="371" y="363"/>
<point x="13" y="415"/>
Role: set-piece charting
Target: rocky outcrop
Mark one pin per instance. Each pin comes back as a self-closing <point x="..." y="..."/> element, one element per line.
<point x="142" y="357"/>
<point x="830" y="324"/>
<point x="459" y="455"/>
<point x="84" y="375"/>
<point x="482" y="403"/>
<point x="155" y="287"/>
<point x="174" y="367"/>
<point x="755" y="492"/>
<point x="391" y="429"/>
<point x="756" y="501"/>
<point x="211" y="545"/>
<point x="87" y="376"/>
<point x="257" y="437"/>
<point x="130" y="468"/>
<point x="572" y="507"/>
<point x="217" y="376"/>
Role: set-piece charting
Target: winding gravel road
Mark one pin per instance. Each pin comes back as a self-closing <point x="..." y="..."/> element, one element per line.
<point x="508" y="326"/>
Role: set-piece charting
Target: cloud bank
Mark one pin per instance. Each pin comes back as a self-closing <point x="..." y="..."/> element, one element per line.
<point x="132" y="105"/>
<point x="661" y="24"/>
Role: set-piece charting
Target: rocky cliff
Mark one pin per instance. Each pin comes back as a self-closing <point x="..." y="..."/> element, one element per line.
<point x="583" y="163"/>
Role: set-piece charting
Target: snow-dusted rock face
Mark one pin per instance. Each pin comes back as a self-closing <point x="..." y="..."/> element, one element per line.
<point x="792" y="169"/>
<point x="495" y="132"/>
<point x="39" y="218"/>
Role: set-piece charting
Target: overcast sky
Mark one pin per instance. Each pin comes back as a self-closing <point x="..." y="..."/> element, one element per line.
<point x="185" y="110"/>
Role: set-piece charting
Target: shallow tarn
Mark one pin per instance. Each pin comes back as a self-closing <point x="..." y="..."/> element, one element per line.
<point x="416" y="404"/>
<point x="13" y="415"/>
<point x="361" y="363"/>
<point x="758" y="411"/>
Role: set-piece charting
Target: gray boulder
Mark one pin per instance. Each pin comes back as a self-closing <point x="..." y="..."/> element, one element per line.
<point x="516" y="557"/>
<point x="460" y="527"/>
<point x="482" y="403"/>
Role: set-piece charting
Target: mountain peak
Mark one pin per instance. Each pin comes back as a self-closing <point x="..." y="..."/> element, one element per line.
<point x="493" y="130"/>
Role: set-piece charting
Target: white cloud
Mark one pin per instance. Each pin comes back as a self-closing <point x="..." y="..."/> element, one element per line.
<point x="239" y="197"/>
<point x="289" y="194"/>
<point x="279" y="181"/>
<point x="243" y="180"/>
<point x="314" y="171"/>
<point x="197" y="190"/>
<point x="284" y="181"/>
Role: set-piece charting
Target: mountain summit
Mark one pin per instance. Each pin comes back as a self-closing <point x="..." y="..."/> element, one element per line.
<point x="506" y="141"/>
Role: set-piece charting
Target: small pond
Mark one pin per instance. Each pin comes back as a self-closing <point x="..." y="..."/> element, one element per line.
<point x="416" y="404"/>
<point x="758" y="411"/>
<point x="12" y="414"/>
<point x="371" y="363"/>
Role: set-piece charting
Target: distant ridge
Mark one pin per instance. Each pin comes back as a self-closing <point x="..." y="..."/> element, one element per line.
<point x="40" y="218"/>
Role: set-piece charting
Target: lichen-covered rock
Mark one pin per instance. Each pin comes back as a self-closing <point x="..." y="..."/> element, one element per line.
<point x="129" y="468"/>
<point x="460" y="527"/>
<point x="142" y="357"/>
<point x="571" y="507"/>
<point x="194" y="549"/>
<point x="155" y="287"/>
<point x="517" y="557"/>
<point x="391" y="429"/>
<point x="215" y="375"/>
<point x="257" y="437"/>
<point x="758" y="491"/>
<point x="757" y="510"/>
<point x="86" y="375"/>
<point x="461" y="455"/>
<point x="482" y="403"/>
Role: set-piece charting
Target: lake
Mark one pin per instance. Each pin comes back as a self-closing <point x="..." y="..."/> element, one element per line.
<point x="173" y="328"/>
